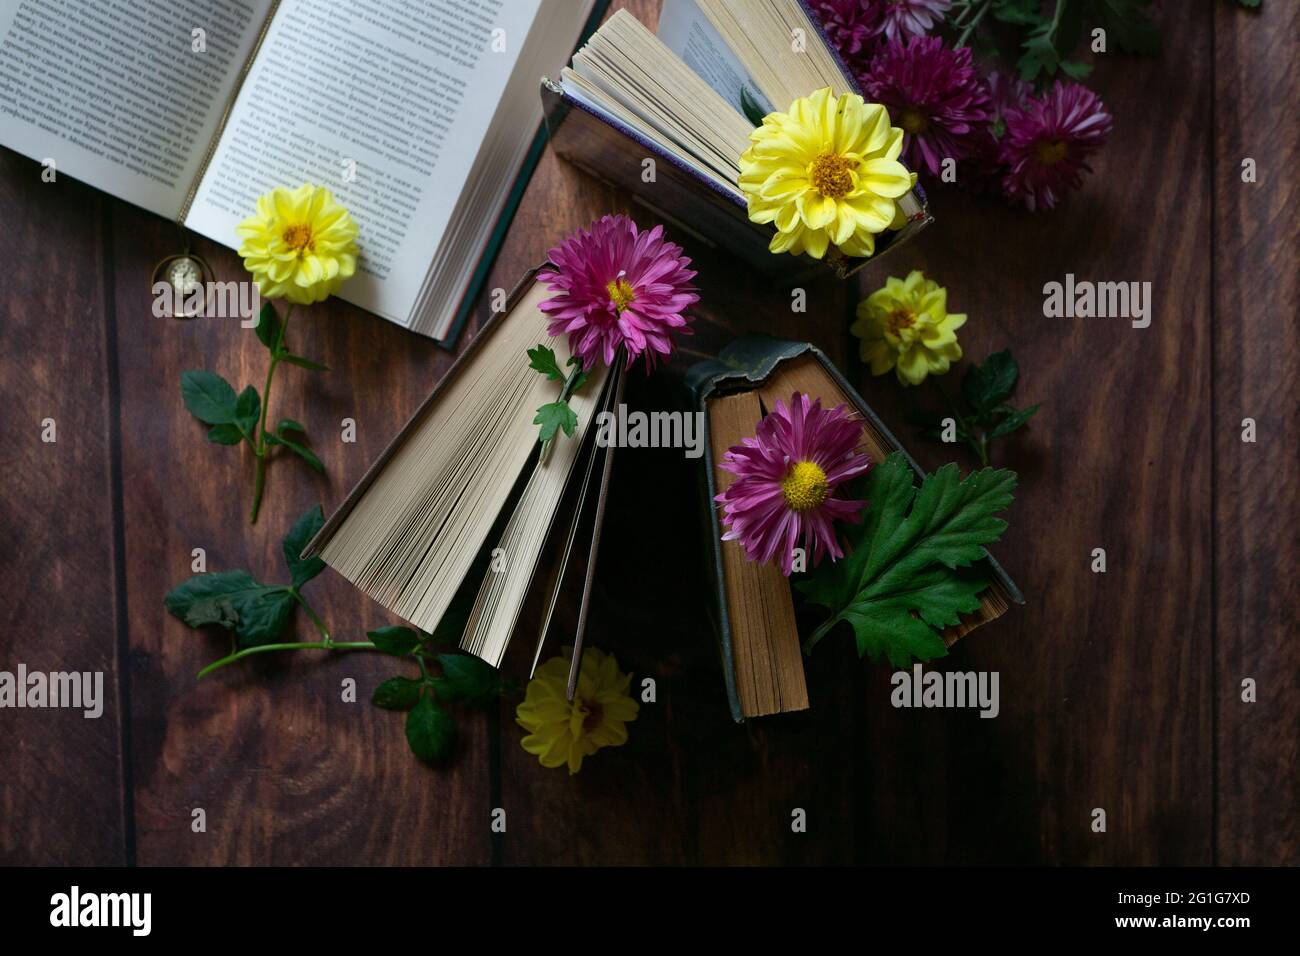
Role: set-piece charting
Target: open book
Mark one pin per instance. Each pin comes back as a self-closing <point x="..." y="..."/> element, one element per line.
<point x="466" y="512"/>
<point x="419" y="116"/>
<point x="755" y="613"/>
<point x="688" y="99"/>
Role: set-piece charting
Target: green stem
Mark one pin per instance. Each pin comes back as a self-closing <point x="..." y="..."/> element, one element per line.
<point x="327" y="640"/>
<point x="259" y="440"/>
<point x="818" y="634"/>
<point x="292" y="646"/>
<point x="974" y="22"/>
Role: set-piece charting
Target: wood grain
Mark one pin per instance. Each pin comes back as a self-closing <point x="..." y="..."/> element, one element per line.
<point x="60" y="786"/>
<point x="1118" y="690"/>
<point x="1256" y="375"/>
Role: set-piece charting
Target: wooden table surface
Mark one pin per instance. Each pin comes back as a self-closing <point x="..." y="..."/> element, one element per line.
<point x="1119" y="690"/>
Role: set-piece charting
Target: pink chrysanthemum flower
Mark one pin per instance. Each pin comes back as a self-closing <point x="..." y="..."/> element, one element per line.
<point x="935" y="94"/>
<point x="617" y="285"/>
<point x="1048" y="141"/>
<point x="911" y="18"/>
<point x="786" y="475"/>
<point x="850" y="24"/>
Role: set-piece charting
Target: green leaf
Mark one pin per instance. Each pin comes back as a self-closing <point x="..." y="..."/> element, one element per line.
<point x="397" y="693"/>
<point x="209" y="397"/>
<point x="303" y="530"/>
<point x="1250" y="4"/>
<point x="430" y="731"/>
<point x="302" y="362"/>
<point x="289" y="425"/>
<point x="750" y="106"/>
<point x="225" y="435"/>
<point x="542" y="359"/>
<point x="904" y="555"/>
<point x="467" y="678"/>
<point x="256" y="613"/>
<point x="395" y="639"/>
<point x="247" y="409"/>
<point x="268" y="326"/>
<point x="1020" y="12"/>
<point x="297" y="448"/>
<point x="1015" y="418"/>
<point x="553" y="416"/>
<point x="1075" y="69"/>
<point x="1127" y="26"/>
<point x="1039" y="56"/>
<point x="985" y="386"/>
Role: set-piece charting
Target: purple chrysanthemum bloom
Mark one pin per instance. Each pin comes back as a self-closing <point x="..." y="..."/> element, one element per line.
<point x="1048" y="141"/>
<point x="617" y="285"/>
<point x="849" y="23"/>
<point x="910" y="18"/>
<point x="935" y="94"/>
<point x="785" y="476"/>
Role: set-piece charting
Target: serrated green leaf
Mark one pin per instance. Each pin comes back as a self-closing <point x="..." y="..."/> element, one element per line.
<point x="905" y="553"/>
<point x="984" y="386"/>
<point x="303" y="530"/>
<point x="248" y="407"/>
<point x="554" y="416"/>
<point x="397" y="693"/>
<point x="395" y="639"/>
<point x="303" y="362"/>
<point x="1015" y="418"/>
<point x="750" y="106"/>
<point x="256" y="613"/>
<point x="1020" y="12"/>
<point x="209" y="397"/>
<point x="542" y="359"/>
<point x="225" y="435"/>
<point x="268" y="326"/>
<point x="1127" y="26"/>
<point x="468" y="679"/>
<point x="430" y="731"/>
<point x="302" y="451"/>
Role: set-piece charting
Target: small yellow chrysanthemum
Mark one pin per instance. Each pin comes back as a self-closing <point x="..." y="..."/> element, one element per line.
<point x="826" y="172"/>
<point x="906" y="326"/>
<point x="300" y="245"/>
<point x="561" y="732"/>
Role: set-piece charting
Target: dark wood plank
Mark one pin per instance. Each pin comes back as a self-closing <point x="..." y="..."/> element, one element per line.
<point x="690" y="786"/>
<point x="286" y="771"/>
<point x="1256" y="375"/>
<point x="61" y="788"/>
<point x="1104" y="678"/>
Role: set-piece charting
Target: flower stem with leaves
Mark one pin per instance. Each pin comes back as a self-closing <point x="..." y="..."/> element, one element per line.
<point x="259" y="615"/>
<point x="235" y="419"/>
<point x="985" y="390"/>
<point x="557" y="415"/>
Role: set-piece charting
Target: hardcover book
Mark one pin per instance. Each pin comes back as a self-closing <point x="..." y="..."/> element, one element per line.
<point x="419" y="117"/>
<point x="754" y="615"/>
<point x="465" y="519"/>
<point x="687" y="100"/>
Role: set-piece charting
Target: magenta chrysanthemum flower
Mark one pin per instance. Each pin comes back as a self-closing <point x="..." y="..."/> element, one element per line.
<point x="786" y="474"/>
<point x="935" y="94"/>
<point x="617" y="285"/>
<point x="1048" y="141"/>
<point x="849" y="23"/>
<point x="911" y="18"/>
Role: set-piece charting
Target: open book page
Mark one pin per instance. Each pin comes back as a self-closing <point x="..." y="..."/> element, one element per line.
<point x="383" y="101"/>
<point x="690" y="34"/>
<point x="124" y="96"/>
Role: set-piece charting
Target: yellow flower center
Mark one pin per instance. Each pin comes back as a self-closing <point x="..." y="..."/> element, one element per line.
<point x="1050" y="152"/>
<point x="805" y="486"/>
<point x="901" y="319"/>
<point x="299" y="238"/>
<point x="831" y="175"/>
<point x="621" y="293"/>
<point x="914" y="121"/>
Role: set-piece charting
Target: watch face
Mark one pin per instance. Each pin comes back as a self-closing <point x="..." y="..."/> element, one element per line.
<point x="185" y="274"/>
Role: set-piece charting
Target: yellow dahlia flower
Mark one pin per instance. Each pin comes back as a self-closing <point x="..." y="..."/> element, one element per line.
<point x="906" y="326"/>
<point x="300" y="245"/>
<point x="826" y="173"/>
<point x="561" y="732"/>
